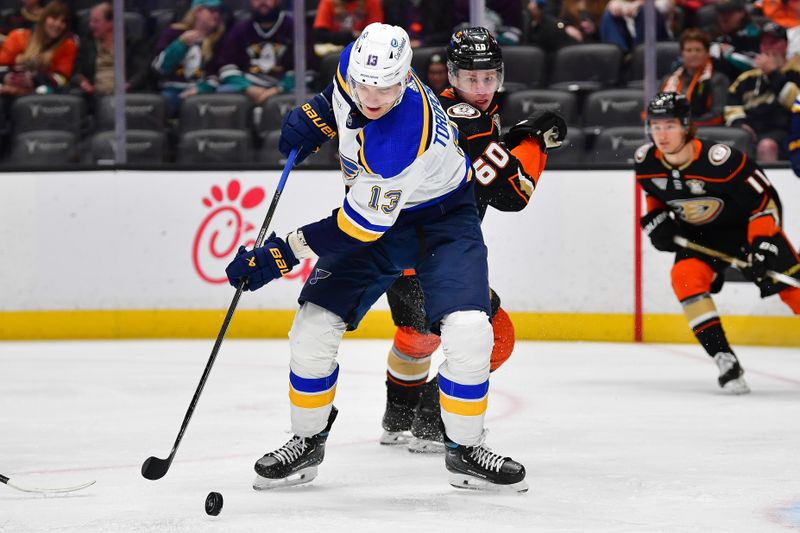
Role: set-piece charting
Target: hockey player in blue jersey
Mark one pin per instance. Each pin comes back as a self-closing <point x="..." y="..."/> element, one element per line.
<point x="410" y="203"/>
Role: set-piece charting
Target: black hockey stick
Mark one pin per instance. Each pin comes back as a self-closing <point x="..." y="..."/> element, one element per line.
<point x="153" y="467"/>
<point x="11" y="483"/>
<point x="735" y="261"/>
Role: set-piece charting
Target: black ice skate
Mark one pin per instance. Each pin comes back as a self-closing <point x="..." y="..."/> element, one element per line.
<point x="295" y="462"/>
<point x="396" y="424"/>
<point x="731" y="374"/>
<point x="479" y="468"/>
<point x="427" y="435"/>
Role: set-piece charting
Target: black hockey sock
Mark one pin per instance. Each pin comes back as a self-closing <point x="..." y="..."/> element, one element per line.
<point x="704" y="320"/>
<point x="712" y="337"/>
<point x="403" y="394"/>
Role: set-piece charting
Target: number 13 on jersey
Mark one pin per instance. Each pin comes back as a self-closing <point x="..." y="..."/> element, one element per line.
<point x="392" y="196"/>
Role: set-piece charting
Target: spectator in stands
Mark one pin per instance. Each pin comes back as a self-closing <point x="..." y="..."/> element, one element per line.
<point x="338" y="22"/>
<point x="436" y="73"/>
<point x="546" y="31"/>
<point x="257" y="52"/>
<point x="623" y="23"/>
<point x="794" y="138"/>
<point x="24" y="17"/>
<point x="735" y="39"/>
<point x="94" y="66"/>
<point x="785" y="13"/>
<point x="503" y="18"/>
<point x="185" y="50"/>
<point x="706" y="89"/>
<point x="582" y="19"/>
<point x="39" y="60"/>
<point x="428" y="22"/>
<point x="760" y="99"/>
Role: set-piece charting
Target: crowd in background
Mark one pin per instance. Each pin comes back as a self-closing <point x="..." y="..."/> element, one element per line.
<point x="738" y="64"/>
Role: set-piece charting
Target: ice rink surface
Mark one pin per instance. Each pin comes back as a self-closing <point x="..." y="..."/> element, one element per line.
<point x="615" y="437"/>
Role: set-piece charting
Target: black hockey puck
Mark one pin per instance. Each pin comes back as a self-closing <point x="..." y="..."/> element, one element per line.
<point x="213" y="503"/>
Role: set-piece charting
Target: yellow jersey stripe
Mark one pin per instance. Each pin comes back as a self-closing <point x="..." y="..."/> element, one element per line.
<point x="311" y="401"/>
<point x="356" y="232"/>
<point x="362" y="158"/>
<point x="460" y="407"/>
<point x="342" y="84"/>
<point x="426" y="118"/>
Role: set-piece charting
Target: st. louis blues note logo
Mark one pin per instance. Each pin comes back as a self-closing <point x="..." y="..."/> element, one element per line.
<point x="318" y="275"/>
<point x="350" y="168"/>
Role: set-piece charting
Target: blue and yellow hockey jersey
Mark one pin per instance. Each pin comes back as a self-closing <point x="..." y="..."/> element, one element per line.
<point x="403" y="162"/>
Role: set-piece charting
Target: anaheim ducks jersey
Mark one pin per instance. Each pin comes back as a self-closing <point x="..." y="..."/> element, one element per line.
<point x="406" y="160"/>
<point x="716" y="197"/>
<point x="501" y="181"/>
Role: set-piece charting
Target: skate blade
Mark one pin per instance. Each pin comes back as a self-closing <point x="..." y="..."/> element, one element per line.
<point x="736" y="386"/>
<point x="298" y="478"/>
<point x="395" y="438"/>
<point x="417" y="445"/>
<point x="464" y="481"/>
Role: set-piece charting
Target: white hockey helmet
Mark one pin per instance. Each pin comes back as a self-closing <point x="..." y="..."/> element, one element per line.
<point x="380" y="58"/>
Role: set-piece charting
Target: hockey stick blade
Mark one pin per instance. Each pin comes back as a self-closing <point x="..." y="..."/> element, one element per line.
<point x="154" y="468"/>
<point x="683" y="242"/>
<point x="23" y="488"/>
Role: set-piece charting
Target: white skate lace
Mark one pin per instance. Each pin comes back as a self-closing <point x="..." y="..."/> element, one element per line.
<point x="291" y="450"/>
<point x="487" y="458"/>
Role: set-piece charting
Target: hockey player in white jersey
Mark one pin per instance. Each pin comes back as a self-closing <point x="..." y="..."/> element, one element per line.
<point x="410" y="204"/>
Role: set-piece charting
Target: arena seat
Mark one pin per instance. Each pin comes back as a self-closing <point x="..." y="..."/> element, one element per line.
<point x="617" y="145"/>
<point x="586" y="67"/>
<point x="524" y="67"/>
<point x="421" y="57"/>
<point x="142" y="146"/>
<point x="736" y="137"/>
<point x="215" y="146"/>
<point x="230" y="111"/>
<point x="666" y="54"/>
<point x="43" y="148"/>
<point x="272" y="113"/>
<point x="519" y="105"/>
<point x="36" y="112"/>
<point x="143" y="111"/>
<point x="572" y="151"/>
<point x="611" y="108"/>
<point x="326" y="158"/>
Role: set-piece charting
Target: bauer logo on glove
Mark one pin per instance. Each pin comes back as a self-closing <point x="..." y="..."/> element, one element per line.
<point x="261" y="265"/>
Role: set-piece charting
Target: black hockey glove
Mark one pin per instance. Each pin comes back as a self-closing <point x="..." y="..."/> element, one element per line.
<point x="547" y="127"/>
<point x="763" y="256"/>
<point x="661" y="228"/>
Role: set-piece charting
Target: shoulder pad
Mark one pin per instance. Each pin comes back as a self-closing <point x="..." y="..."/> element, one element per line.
<point x="718" y="154"/>
<point x="641" y="152"/>
<point x="463" y="110"/>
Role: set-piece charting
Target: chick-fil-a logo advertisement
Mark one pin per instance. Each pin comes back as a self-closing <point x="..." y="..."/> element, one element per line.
<point x="228" y="224"/>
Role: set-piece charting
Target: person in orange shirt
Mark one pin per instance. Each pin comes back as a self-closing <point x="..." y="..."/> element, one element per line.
<point x="785" y="13"/>
<point x="338" y="22"/>
<point x="39" y="60"/>
<point x="705" y="88"/>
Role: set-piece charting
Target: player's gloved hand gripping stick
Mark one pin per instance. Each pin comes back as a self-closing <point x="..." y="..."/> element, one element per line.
<point x="154" y="467"/>
<point x="735" y="261"/>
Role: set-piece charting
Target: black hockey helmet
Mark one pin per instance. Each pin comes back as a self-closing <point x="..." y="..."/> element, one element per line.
<point x="474" y="49"/>
<point x="670" y="105"/>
